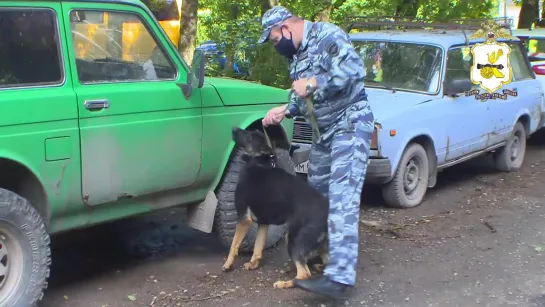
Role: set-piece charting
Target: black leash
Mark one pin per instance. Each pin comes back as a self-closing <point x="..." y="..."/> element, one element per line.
<point x="270" y="144"/>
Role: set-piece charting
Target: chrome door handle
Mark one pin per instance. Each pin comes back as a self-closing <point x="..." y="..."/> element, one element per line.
<point x="98" y="104"/>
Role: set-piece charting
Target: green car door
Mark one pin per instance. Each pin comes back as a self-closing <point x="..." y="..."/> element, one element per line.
<point x="139" y="135"/>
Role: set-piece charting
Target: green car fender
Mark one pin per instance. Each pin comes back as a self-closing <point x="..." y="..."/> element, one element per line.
<point x="30" y="184"/>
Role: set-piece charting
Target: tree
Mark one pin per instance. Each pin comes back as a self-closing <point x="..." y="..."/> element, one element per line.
<point x="324" y="11"/>
<point x="541" y="22"/>
<point x="529" y="14"/>
<point x="267" y="5"/>
<point x="238" y="33"/>
<point x="408" y="8"/>
<point x="188" y="29"/>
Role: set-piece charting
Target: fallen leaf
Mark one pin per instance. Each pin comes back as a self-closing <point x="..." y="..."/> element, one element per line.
<point x="132" y="297"/>
<point x="65" y="297"/>
<point x="538" y="248"/>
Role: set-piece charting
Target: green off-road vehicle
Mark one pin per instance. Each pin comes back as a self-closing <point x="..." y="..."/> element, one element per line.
<point x="101" y="119"/>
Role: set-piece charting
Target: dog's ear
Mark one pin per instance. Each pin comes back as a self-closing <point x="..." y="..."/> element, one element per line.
<point x="235" y="131"/>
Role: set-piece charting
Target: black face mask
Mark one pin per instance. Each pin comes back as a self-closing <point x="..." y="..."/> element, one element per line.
<point x="286" y="47"/>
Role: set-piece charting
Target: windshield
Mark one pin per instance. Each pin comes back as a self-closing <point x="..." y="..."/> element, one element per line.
<point x="401" y="66"/>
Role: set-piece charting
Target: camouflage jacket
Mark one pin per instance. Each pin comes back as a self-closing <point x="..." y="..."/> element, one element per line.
<point x="327" y="54"/>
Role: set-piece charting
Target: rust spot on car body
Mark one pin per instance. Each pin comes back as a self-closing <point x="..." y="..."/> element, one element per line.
<point x="537" y="115"/>
<point x="448" y="148"/>
<point x="61" y="177"/>
<point x="378" y="127"/>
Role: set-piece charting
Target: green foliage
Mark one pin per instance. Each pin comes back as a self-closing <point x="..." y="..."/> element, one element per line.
<point x="155" y="5"/>
<point x="237" y="26"/>
<point x="443" y="10"/>
<point x="364" y="8"/>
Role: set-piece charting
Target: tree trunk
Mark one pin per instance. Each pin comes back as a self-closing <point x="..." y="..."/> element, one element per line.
<point x="541" y="22"/>
<point x="323" y="15"/>
<point x="325" y="12"/>
<point x="267" y="5"/>
<point x="234" y="12"/>
<point x="338" y="4"/>
<point x="188" y="29"/>
<point x="407" y="8"/>
<point x="528" y="14"/>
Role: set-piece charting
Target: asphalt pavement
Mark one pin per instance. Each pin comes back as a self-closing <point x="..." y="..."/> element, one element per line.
<point x="477" y="240"/>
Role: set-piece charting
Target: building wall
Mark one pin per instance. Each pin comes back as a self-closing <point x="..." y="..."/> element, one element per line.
<point x="511" y="10"/>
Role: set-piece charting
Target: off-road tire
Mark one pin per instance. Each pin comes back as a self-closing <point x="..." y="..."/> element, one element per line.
<point x="226" y="219"/>
<point x="394" y="193"/>
<point x="25" y="251"/>
<point x="503" y="156"/>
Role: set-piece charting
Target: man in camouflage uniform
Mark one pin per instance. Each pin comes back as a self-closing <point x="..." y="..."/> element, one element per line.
<point x="326" y="68"/>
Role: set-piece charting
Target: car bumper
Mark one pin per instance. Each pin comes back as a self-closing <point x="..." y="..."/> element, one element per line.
<point x="379" y="170"/>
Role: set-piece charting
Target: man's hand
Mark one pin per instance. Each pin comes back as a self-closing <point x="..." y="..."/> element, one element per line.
<point x="300" y="86"/>
<point x="274" y="116"/>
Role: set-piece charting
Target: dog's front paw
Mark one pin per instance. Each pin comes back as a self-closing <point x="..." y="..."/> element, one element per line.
<point x="248" y="266"/>
<point x="227" y="268"/>
<point x="283" y="284"/>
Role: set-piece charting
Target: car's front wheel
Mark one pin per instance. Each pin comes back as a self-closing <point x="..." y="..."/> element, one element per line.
<point x="226" y="214"/>
<point x="24" y="252"/>
<point x="511" y="156"/>
<point x="410" y="183"/>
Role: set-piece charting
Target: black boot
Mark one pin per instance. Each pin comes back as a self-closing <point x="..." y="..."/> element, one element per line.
<point x="324" y="286"/>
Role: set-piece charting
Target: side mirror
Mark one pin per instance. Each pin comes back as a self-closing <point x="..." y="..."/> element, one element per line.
<point x="195" y="76"/>
<point x="539" y="69"/>
<point x="197" y="68"/>
<point x="453" y="87"/>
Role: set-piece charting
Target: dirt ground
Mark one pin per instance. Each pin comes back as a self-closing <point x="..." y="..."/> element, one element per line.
<point x="477" y="240"/>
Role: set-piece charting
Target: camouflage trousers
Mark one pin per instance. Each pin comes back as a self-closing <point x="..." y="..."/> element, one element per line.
<point x="337" y="168"/>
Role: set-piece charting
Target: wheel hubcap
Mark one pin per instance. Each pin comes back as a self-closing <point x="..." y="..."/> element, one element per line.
<point x="515" y="148"/>
<point x="4" y="261"/>
<point x="412" y="176"/>
<point x="11" y="264"/>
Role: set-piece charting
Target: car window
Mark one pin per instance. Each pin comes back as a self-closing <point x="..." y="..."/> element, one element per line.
<point x="29" y="48"/>
<point x="119" y="49"/>
<point x="459" y="61"/>
<point x="521" y="70"/>
<point x="403" y="66"/>
<point x="536" y="49"/>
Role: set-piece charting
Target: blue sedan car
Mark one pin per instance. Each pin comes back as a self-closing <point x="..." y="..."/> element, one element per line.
<point x="426" y="119"/>
<point x="215" y="53"/>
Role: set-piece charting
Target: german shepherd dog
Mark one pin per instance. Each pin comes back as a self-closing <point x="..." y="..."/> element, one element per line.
<point x="268" y="195"/>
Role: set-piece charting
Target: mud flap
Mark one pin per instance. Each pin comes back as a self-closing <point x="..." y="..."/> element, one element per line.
<point x="201" y="216"/>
